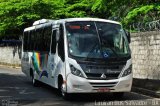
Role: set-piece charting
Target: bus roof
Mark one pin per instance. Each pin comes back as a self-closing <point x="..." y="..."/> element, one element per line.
<point x="87" y="19"/>
<point x="67" y="20"/>
<point x="29" y="28"/>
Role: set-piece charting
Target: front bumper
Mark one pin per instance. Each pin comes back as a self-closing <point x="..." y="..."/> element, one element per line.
<point x="77" y="84"/>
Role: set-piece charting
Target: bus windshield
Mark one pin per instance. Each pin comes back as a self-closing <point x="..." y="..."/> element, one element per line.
<point x="93" y="39"/>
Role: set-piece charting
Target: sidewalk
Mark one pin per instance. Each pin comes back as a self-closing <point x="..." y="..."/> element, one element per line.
<point x="147" y="87"/>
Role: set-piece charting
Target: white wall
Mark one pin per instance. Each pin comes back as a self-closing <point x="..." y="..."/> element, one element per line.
<point x="10" y="55"/>
<point x="145" y="48"/>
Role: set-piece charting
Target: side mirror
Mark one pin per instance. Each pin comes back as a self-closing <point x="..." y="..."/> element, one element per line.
<point x="128" y="36"/>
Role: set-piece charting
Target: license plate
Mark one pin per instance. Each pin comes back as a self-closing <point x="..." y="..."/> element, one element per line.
<point x="103" y="90"/>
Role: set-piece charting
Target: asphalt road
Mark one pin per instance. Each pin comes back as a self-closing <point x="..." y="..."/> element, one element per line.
<point x="16" y="89"/>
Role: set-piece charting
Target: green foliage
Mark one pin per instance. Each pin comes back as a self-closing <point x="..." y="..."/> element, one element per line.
<point x="143" y="14"/>
<point x="99" y="6"/>
<point x="15" y="15"/>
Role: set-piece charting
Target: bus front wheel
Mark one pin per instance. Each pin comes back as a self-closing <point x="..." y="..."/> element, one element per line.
<point x="64" y="94"/>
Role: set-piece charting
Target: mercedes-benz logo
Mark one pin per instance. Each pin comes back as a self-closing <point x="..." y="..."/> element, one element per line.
<point x="103" y="76"/>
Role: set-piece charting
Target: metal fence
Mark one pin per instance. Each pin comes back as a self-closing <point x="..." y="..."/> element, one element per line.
<point x="147" y="26"/>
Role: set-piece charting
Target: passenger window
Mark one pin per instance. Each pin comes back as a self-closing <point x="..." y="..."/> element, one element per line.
<point x="25" y="40"/>
<point x="54" y="42"/>
<point x="31" y="40"/>
<point x="39" y="40"/>
<point x="61" y="43"/>
<point x="47" y="38"/>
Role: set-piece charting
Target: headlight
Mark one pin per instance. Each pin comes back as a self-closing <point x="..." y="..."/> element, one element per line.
<point x="75" y="71"/>
<point x="127" y="71"/>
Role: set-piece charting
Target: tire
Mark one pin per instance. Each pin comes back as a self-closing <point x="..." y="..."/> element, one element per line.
<point x="35" y="83"/>
<point x="64" y="94"/>
<point x="118" y="95"/>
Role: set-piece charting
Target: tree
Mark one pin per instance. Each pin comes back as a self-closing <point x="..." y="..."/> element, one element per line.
<point x="17" y="14"/>
<point x="143" y="14"/>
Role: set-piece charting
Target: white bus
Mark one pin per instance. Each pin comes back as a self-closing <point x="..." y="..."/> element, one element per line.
<point x="78" y="55"/>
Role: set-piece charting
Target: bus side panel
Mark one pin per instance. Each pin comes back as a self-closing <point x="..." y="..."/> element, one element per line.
<point x="55" y="68"/>
<point x="39" y="65"/>
<point x="25" y="62"/>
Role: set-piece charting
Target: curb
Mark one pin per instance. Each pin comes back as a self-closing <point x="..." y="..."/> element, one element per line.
<point x="146" y="92"/>
<point x="10" y="66"/>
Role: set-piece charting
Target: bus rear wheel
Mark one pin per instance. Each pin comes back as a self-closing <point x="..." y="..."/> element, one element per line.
<point x="34" y="81"/>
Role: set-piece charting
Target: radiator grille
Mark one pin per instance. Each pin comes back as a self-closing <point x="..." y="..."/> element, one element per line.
<point x="97" y="85"/>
